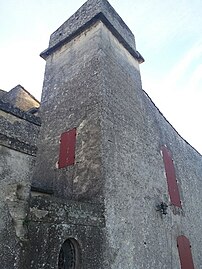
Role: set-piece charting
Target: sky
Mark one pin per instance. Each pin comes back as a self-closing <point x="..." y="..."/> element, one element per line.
<point x="167" y="33"/>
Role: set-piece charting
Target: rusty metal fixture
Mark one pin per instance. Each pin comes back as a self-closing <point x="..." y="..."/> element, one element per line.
<point x="162" y="208"/>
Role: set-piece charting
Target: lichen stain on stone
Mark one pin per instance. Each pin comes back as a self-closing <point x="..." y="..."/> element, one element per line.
<point x="87" y="170"/>
<point x="9" y="117"/>
<point x="6" y="153"/>
<point x="39" y="213"/>
<point x="15" y="197"/>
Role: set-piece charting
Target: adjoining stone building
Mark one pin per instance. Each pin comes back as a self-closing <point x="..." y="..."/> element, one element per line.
<point x="96" y="178"/>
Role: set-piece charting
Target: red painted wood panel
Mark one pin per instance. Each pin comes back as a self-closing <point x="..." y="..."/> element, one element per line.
<point x="184" y="250"/>
<point x="67" y="148"/>
<point x="171" y="177"/>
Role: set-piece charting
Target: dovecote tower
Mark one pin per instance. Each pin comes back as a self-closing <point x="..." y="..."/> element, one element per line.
<point x="114" y="185"/>
<point x="91" y="82"/>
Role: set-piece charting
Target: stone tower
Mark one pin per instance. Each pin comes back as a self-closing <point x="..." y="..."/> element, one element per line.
<point x="114" y="185"/>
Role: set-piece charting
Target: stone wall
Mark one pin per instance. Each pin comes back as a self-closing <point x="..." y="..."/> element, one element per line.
<point x="18" y="135"/>
<point x="114" y="202"/>
<point x="139" y="236"/>
<point x="96" y="88"/>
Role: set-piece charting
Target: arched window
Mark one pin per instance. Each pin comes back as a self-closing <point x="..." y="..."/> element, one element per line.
<point x="69" y="256"/>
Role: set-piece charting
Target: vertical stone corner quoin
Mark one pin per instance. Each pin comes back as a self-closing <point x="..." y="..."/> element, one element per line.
<point x="91" y="12"/>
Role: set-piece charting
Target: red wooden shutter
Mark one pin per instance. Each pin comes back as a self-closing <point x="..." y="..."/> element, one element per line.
<point x="67" y="148"/>
<point x="184" y="250"/>
<point x="171" y="177"/>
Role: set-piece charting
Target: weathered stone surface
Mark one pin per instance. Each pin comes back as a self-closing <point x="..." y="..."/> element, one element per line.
<point x="18" y="135"/>
<point x="48" y="240"/>
<point x="73" y="100"/>
<point x="10" y="109"/>
<point x="20" y="98"/>
<point x="2" y="92"/>
<point x="19" y="130"/>
<point x="91" y="12"/>
<point x="15" y="176"/>
<point x="51" y="221"/>
<point x="107" y="201"/>
<point x="133" y="132"/>
<point x="59" y="211"/>
<point x="96" y="87"/>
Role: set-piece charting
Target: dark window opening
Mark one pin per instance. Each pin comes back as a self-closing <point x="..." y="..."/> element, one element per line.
<point x="69" y="255"/>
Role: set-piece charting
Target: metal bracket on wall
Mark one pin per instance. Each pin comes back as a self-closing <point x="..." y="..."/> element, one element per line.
<point x="162" y="208"/>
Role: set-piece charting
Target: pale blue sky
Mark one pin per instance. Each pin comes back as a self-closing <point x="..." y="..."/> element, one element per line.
<point x="168" y="35"/>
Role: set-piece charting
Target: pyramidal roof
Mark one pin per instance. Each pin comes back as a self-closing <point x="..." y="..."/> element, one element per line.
<point x="91" y="12"/>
